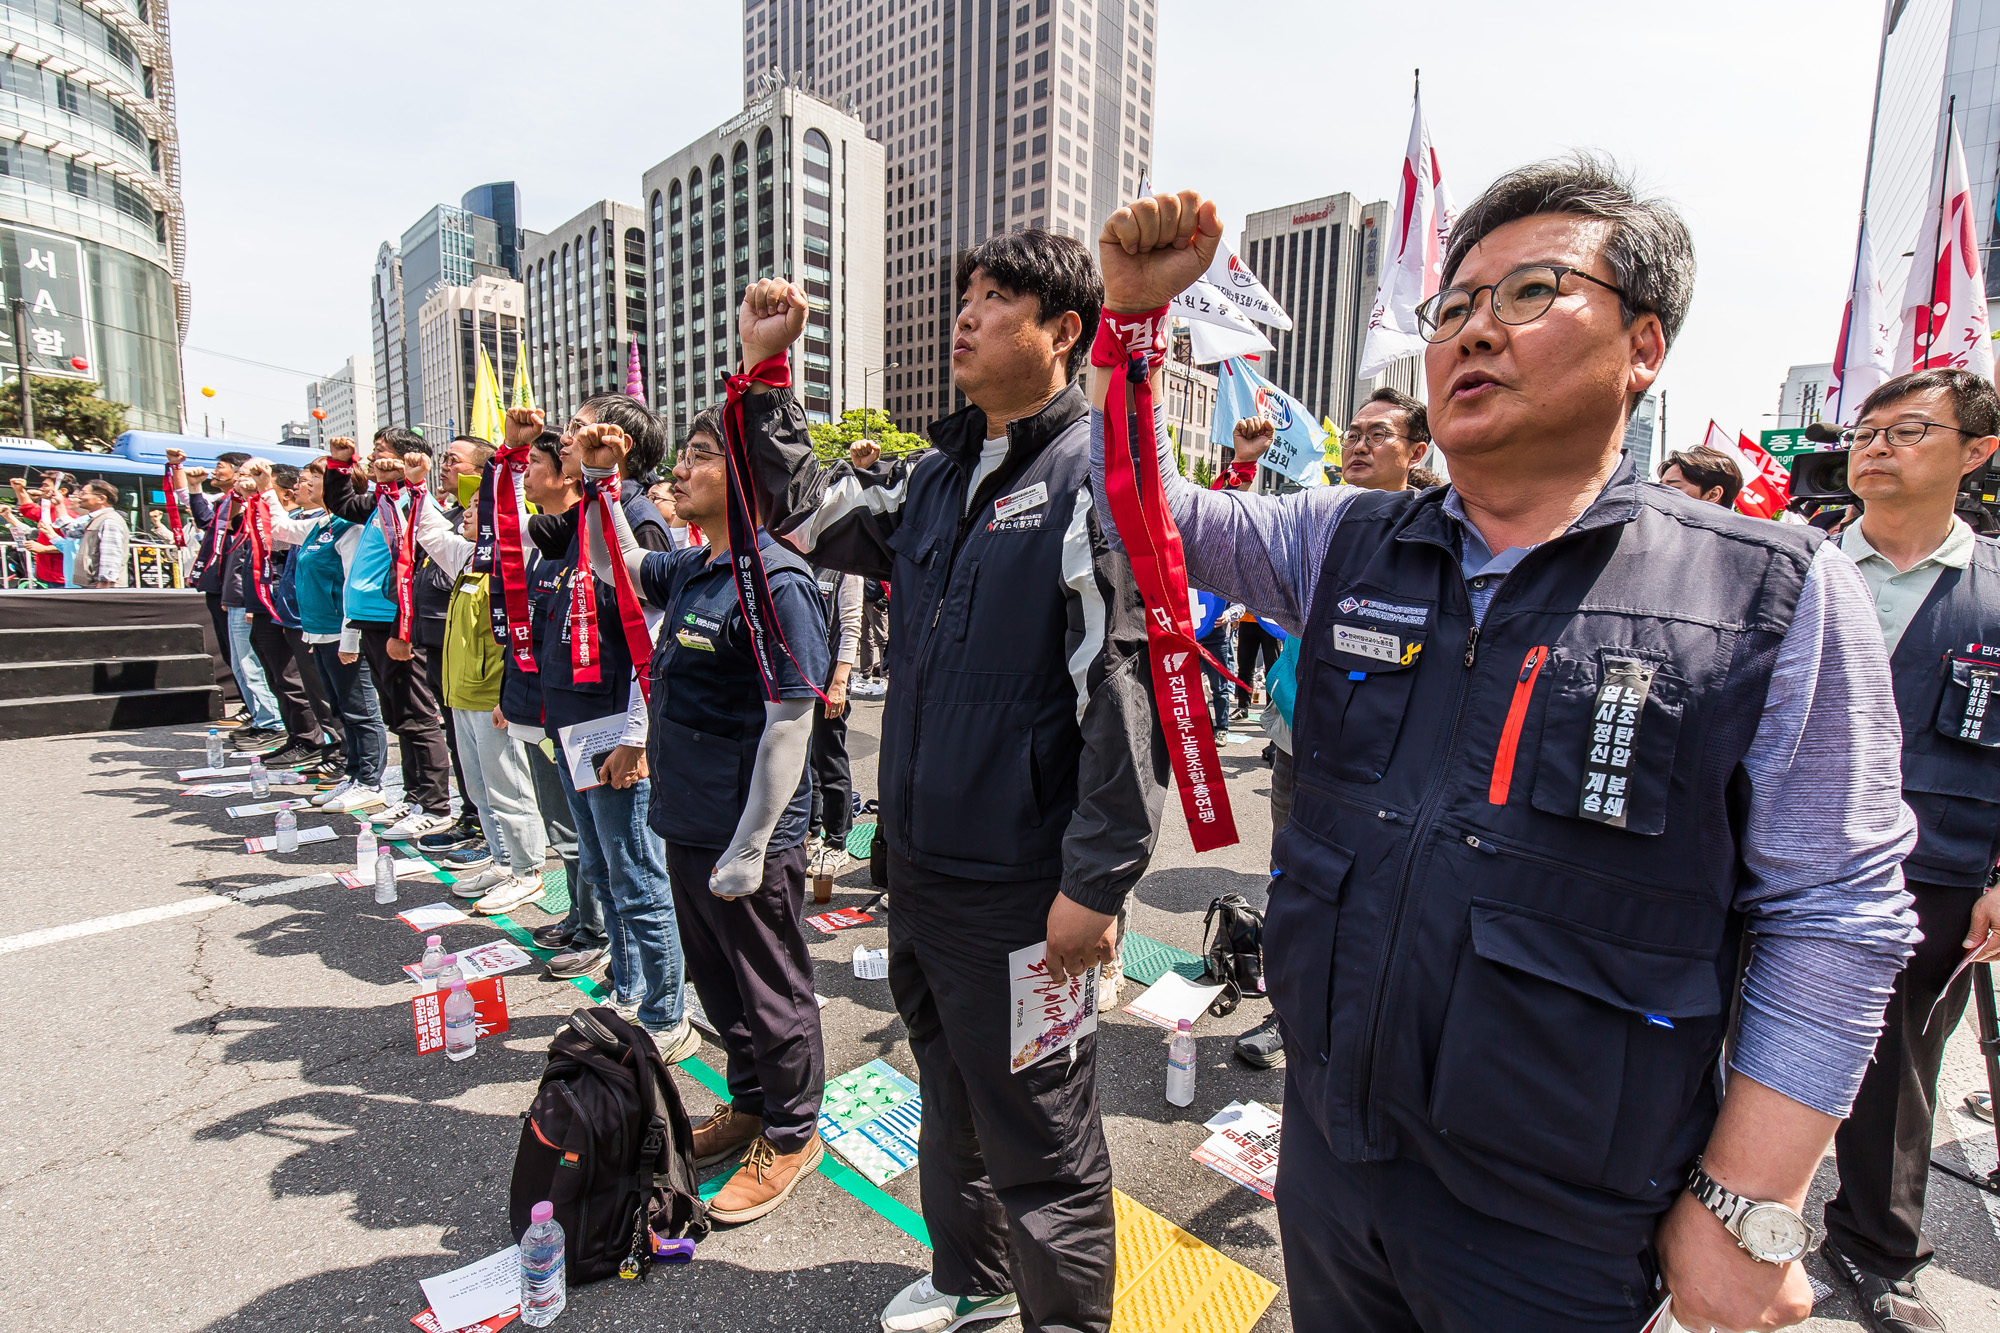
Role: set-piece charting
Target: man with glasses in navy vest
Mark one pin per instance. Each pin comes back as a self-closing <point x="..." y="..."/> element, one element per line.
<point x="1568" y="746"/>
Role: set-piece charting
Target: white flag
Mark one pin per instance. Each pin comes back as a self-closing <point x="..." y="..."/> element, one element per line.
<point x="1233" y="278"/>
<point x="1211" y="343"/>
<point x="1203" y="303"/>
<point x="1944" y="307"/>
<point x="1413" y="255"/>
<point x="1867" y="335"/>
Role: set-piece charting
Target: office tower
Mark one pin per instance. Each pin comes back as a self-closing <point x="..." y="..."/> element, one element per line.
<point x="586" y="306"/>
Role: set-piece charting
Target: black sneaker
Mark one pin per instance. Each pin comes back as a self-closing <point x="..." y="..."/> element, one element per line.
<point x="259" y="740"/>
<point x="296" y="755"/>
<point x="451" y="839"/>
<point x="1886" y="1306"/>
<point x="477" y="856"/>
<point x="1262" y="1047"/>
<point x="556" y="936"/>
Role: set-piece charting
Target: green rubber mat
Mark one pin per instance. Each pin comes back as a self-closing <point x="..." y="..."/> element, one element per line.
<point x="861" y="840"/>
<point x="1147" y="959"/>
<point x="555" y="887"/>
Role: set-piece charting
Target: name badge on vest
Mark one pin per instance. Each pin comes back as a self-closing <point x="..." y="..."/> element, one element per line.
<point x="1012" y="513"/>
<point x="1375" y="644"/>
<point x="1976" y="672"/>
<point x="1613" y="739"/>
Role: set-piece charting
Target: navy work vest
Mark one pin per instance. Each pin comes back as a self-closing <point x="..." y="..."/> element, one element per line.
<point x="1947" y="667"/>
<point x="1501" y="941"/>
<point x="566" y="702"/>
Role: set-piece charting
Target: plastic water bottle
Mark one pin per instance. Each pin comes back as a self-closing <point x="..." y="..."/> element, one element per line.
<point x="544" y="1277"/>
<point x="385" y="876"/>
<point x="217" y="756"/>
<point x="448" y="972"/>
<point x="1180" y="1066"/>
<point x="260" y="781"/>
<point x="433" y="960"/>
<point x="460" y="1032"/>
<point x="288" y="831"/>
<point x="364" y="851"/>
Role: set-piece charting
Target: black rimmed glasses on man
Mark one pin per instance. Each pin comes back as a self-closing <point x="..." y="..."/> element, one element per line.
<point x="1522" y="297"/>
<point x="1900" y="435"/>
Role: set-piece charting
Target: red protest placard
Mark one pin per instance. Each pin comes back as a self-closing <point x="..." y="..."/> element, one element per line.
<point x="840" y="918"/>
<point x="491" y="1324"/>
<point x="489" y="1013"/>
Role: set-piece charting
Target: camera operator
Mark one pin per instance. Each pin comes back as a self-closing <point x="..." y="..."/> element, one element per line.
<point x="1937" y="593"/>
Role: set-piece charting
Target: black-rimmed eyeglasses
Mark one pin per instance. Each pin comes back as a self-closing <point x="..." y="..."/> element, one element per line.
<point x="1902" y="435"/>
<point x="1522" y="297"/>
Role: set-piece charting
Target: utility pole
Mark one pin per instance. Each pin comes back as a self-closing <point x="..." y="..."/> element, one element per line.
<point x="21" y="362"/>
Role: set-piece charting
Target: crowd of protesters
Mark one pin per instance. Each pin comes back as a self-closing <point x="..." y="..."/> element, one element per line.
<point x="1549" y="743"/>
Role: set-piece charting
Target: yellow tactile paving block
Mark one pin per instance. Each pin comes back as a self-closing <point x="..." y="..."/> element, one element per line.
<point x="1169" y="1282"/>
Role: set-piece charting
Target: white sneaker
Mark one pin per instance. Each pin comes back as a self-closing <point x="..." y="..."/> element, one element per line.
<point x="676" y="1043"/>
<point x="355" y="799"/>
<point x="417" y="824"/>
<point x="922" y="1308"/>
<point x="833" y="856"/>
<point x="480" y="883"/>
<point x="393" y="809"/>
<point x="511" y="893"/>
<point x="333" y="793"/>
<point x="1110" y="979"/>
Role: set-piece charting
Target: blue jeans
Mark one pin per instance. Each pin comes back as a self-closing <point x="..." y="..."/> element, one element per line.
<point x="352" y="690"/>
<point x="250" y="682"/>
<point x="1222" y="644"/>
<point x="622" y="861"/>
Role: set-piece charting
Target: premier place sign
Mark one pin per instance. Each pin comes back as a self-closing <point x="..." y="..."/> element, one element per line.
<point x="48" y="273"/>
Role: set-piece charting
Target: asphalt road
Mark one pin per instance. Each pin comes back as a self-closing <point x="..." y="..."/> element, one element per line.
<point x="217" y="1119"/>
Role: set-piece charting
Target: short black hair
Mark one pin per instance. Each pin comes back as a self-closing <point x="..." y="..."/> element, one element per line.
<point x="1056" y="270"/>
<point x="1706" y="468"/>
<point x="1974" y="401"/>
<point x="708" y="422"/>
<point x="285" y="475"/>
<point x="1416" y="417"/>
<point x="402" y="441"/>
<point x="641" y="426"/>
<point x="103" y="488"/>
<point x="482" y="449"/>
<point x="550" y="442"/>
<point x="1649" y="251"/>
<point x="235" y="458"/>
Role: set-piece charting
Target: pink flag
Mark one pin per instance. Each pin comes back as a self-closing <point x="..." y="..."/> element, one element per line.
<point x="1766" y="484"/>
<point x="635" y="387"/>
<point x="1944" y="306"/>
<point x="1861" y="361"/>
<point x="1412" y="253"/>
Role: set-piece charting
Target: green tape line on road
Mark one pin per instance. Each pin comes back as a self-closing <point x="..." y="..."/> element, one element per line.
<point x="872" y="1196"/>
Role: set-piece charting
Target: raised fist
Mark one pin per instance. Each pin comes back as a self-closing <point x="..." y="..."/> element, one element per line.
<point x="524" y="426"/>
<point x="864" y="453"/>
<point x="416" y="467"/>
<point x="1253" y="437"/>
<point x="603" y="445"/>
<point x="1153" y="249"/>
<point x="340" y="449"/>
<point x="176" y="457"/>
<point x="772" y="318"/>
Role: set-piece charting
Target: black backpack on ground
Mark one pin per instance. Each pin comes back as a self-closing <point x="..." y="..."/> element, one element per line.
<point x="607" y="1142"/>
<point x="1232" y="937"/>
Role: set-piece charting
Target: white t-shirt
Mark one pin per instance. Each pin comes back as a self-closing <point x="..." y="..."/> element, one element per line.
<point x="991" y="455"/>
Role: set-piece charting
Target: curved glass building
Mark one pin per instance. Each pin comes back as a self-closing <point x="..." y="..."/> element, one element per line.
<point x="92" y="238"/>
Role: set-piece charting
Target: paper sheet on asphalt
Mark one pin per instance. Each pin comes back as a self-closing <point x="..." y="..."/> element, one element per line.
<point x="478" y="1290"/>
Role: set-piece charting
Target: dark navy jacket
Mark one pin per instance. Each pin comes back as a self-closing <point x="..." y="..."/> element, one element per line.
<point x="1533" y="981"/>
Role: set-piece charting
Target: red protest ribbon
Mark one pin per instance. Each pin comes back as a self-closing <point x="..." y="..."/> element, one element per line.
<point x="174" y="510"/>
<point x="584" y="666"/>
<point x="399" y="529"/>
<point x="257" y="529"/>
<point x="631" y="618"/>
<point x="212" y="540"/>
<point x="503" y="514"/>
<point x="753" y="585"/>
<point x="1131" y="346"/>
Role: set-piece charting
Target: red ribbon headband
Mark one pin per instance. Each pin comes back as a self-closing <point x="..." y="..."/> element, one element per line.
<point x="1136" y="344"/>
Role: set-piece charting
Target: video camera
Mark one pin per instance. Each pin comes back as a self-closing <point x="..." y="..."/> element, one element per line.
<point x="1820" y="477"/>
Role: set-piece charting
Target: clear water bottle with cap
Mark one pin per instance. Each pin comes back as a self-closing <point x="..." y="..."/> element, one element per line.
<point x="288" y="831"/>
<point x="448" y="972"/>
<point x="260" y="781"/>
<point x="385" y="876"/>
<point x="461" y="1033"/>
<point x="544" y="1279"/>
<point x="1180" y="1065"/>
<point x="217" y="756"/>
<point x="364" y="851"/>
<point x="433" y="960"/>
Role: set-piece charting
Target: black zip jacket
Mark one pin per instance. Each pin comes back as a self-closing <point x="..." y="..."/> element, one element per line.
<point x="1018" y="737"/>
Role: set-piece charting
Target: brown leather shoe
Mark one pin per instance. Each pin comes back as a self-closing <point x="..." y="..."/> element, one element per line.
<point x="721" y="1135"/>
<point x="763" y="1181"/>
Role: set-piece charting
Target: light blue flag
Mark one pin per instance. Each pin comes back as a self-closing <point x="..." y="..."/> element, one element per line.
<point x="1299" y="451"/>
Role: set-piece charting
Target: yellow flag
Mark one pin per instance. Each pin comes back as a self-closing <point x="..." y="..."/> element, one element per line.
<point x="1332" y="442"/>
<point x="489" y="419"/>
<point x="524" y="393"/>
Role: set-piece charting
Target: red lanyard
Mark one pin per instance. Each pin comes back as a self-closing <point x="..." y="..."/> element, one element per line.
<point x="583" y="598"/>
<point x="506" y="506"/>
<point x="173" y="510"/>
<point x="1130" y="346"/>
<point x="257" y="526"/>
<point x="399" y="529"/>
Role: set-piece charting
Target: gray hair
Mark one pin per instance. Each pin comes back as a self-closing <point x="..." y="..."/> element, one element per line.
<point x="1649" y="251"/>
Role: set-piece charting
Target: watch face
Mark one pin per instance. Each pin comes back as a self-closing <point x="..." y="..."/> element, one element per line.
<point x="1774" y="1233"/>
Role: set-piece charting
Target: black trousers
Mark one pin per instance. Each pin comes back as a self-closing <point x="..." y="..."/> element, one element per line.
<point x="1883" y="1148"/>
<point x="1252" y="642"/>
<point x="833" y="777"/>
<point x="750" y="965"/>
<point x="325" y="711"/>
<point x="1383" y="1247"/>
<point x="1016" y="1175"/>
<point x="287" y="681"/>
<point x="220" y="615"/>
<point x="413" y="713"/>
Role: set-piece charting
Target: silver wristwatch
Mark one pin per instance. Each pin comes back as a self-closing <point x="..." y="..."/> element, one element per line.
<point x="1771" y="1233"/>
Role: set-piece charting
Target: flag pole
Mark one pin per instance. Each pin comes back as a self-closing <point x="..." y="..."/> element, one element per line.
<point x="1937" y="237"/>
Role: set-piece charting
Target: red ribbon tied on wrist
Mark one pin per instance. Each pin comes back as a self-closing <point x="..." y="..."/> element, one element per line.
<point x="1133" y="346"/>
<point x="753" y="585"/>
<point x="503" y="521"/>
<point x="173" y="510"/>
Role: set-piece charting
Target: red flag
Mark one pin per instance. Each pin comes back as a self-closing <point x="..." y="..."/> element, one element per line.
<point x="1766" y="484"/>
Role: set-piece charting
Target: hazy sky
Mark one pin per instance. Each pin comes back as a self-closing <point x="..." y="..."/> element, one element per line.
<point x="311" y="134"/>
